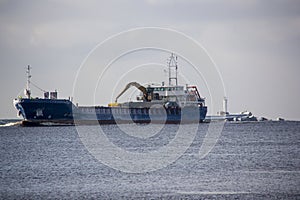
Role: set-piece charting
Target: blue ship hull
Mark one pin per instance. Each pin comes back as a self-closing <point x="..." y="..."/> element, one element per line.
<point x="39" y="111"/>
<point x="35" y="111"/>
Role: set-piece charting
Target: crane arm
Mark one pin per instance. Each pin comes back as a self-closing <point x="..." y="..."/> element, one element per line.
<point x="135" y="84"/>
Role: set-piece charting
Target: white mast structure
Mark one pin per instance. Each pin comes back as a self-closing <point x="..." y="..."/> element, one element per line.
<point x="172" y="63"/>
<point x="27" y="91"/>
<point x="225" y="108"/>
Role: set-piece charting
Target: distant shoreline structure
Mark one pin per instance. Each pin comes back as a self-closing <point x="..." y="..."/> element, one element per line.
<point x="242" y="116"/>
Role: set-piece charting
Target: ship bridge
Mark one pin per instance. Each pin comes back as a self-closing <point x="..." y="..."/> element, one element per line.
<point x="168" y="90"/>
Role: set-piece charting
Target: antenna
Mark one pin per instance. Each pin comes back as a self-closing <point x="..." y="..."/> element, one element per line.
<point x="172" y="64"/>
<point x="27" y="91"/>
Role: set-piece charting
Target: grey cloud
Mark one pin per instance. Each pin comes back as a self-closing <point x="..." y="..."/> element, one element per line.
<point x="255" y="42"/>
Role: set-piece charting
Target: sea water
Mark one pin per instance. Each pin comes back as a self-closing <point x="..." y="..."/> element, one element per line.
<point x="249" y="160"/>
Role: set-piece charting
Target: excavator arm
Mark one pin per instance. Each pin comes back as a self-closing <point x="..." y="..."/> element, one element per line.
<point x="135" y="84"/>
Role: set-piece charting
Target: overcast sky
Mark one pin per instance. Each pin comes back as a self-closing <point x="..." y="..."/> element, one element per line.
<point x="255" y="45"/>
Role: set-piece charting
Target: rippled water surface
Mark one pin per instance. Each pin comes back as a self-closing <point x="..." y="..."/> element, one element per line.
<point x="249" y="160"/>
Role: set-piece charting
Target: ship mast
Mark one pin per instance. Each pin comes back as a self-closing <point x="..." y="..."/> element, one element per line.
<point x="27" y="91"/>
<point x="172" y="64"/>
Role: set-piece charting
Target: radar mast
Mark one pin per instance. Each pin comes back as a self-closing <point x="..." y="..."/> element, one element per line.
<point x="172" y="64"/>
<point x="27" y="91"/>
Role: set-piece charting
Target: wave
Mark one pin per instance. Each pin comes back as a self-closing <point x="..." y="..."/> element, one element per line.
<point x="7" y="123"/>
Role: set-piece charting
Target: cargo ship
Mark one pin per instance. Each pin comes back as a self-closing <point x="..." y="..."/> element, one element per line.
<point x="162" y="103"/>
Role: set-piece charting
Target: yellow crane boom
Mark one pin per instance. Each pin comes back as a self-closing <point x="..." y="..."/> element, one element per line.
<point x="135" y="84"/>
